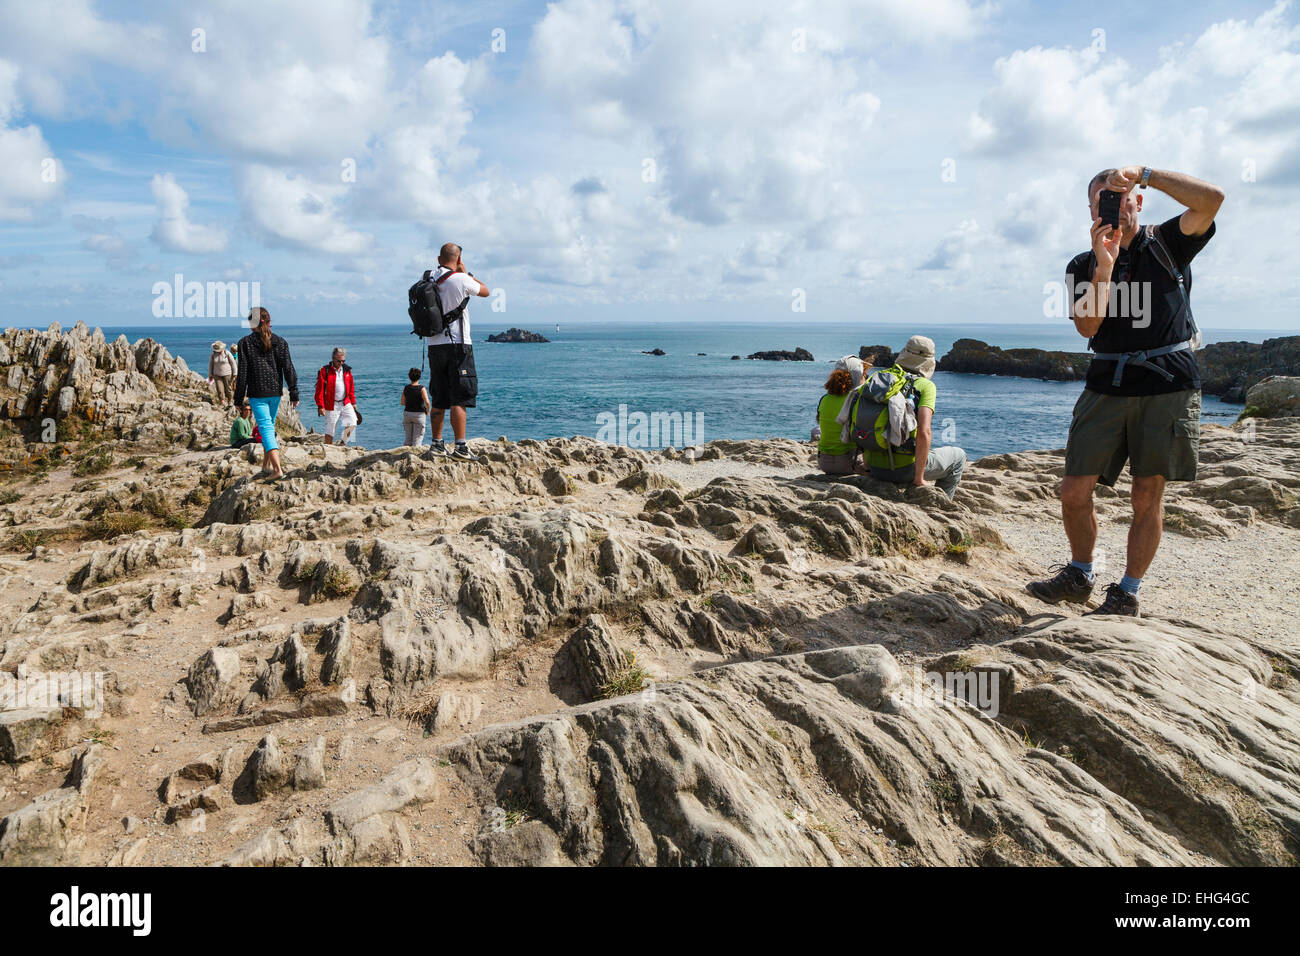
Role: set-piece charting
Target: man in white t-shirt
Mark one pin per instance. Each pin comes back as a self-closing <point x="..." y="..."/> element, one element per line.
<point x="453" y="380"/>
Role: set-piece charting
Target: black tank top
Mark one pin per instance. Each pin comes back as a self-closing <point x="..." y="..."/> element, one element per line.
<point x="414" y="398"/>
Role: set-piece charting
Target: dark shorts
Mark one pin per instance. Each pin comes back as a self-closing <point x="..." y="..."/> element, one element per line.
<point x="837" y="464"/>
<point x="1155" y="434"/>
<point x="453" y="380"/>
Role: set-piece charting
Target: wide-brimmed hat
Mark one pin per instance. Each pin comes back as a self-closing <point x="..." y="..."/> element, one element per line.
<point x="218" y="346"/>
<point x="918" y="356"/>
<point x="853" y="365"/>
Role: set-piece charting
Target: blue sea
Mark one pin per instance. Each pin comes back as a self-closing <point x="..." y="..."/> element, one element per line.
<point x="589" y="368"/>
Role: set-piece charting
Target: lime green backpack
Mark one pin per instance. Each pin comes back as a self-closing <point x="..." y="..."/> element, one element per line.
<point x="869" y="414"/>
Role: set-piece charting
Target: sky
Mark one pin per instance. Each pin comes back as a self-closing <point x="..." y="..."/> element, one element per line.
<point x="628" y="160"/>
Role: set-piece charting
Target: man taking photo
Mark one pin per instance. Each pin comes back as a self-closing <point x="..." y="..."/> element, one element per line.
<point x="1142" y="399"/>
<point x="453" y="380"/>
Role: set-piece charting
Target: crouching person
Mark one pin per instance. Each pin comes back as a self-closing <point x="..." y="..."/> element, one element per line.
<point x="899" y="406"/>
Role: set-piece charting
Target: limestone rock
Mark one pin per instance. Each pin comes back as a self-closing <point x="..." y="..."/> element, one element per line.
<point x="335" y="645"/>
<point x="211" y="679"/>
<point x="49" y="831"/>
<point x="24" y="733"/>
<point x="266" y="771"/>
<point x="1277" y="396"/>
<point x="596" y="657"/>
<point x="309" y="771"/>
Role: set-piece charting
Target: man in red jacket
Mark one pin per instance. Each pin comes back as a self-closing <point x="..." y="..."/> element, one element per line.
<point x="336" y="397"/>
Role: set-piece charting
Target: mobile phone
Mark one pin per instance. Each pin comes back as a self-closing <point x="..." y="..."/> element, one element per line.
<point x="1108" y="203"/>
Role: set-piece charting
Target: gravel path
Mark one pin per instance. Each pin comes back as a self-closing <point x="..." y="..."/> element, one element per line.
<point x="1245" y="584"/>
<point x="1254" y="573"/>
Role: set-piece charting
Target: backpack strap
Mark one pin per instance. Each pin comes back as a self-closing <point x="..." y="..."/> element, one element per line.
<point x="1141" y="358"/>
<point x="457" y="314"/>
<point x="1154" y="239"/>
<point x="1157" y="245"/>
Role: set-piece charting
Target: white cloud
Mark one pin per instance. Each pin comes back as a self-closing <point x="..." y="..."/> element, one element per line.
<point x="955" y="250"/>
<point x="102" y="236"/>
<point x="279" y="82"/>
<point x="1233" y="94"/>
<point x="174" y="231"/>
<point x="784" y="137"/>
<point x="60" y="46"/>
<point x="32" y="174"/>
<point x="749" y="114"/>
<point x="294" y="211"/>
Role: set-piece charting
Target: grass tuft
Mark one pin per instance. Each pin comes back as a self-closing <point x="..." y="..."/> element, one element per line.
<point x="632" y="678"/>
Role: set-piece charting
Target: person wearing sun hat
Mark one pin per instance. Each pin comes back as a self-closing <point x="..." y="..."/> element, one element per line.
<point x="918" y="356"/>
<point x="222" y="368"/>
<point x="930" y="466"/>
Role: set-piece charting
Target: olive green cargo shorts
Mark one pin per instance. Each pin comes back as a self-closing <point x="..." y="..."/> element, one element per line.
<point x="1156" y="434"/>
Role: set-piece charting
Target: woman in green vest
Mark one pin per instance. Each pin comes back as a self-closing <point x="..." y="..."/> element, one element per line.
<point x="835" y="457"/>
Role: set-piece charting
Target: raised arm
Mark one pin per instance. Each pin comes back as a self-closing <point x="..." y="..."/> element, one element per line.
<point x="483" y="290"/>
<point x="1202" y="199"/>
<point x="1090" y="308"/>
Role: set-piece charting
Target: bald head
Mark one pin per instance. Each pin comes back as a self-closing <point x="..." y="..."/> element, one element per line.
<point x="1096" y="181"/>
<point x="449" y="254"/>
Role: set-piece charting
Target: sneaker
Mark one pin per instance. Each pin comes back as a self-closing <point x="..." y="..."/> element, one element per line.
<point x="462" y="453"/>
<point x="1118" y="601"/>
<point x="1069" y="584"/>
<point x="438" y="447"/>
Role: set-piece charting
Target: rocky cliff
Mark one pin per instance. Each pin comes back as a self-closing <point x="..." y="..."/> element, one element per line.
<point x="576" y="653"/>
<point x="972" y="355"/>
<point x="74" y="392"/>
<point x="1228" y="369"/>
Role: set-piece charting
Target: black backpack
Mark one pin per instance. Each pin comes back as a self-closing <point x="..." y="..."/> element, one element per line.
<point x="425" y="309"/>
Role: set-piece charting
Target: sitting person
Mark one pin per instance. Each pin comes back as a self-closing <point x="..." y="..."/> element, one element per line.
<point x="244" y="430"/>
<point x="926" y="464"/>
<point x="835" y="456"/>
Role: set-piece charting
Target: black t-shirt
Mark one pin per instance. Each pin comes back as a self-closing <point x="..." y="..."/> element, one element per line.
<point x="1145" y="312"/>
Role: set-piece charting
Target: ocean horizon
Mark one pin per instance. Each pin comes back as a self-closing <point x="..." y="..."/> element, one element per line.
<point x="592" y="373"/>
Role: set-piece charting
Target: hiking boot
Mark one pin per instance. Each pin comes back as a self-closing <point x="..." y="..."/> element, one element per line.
<point x="1118" y="601"/>
<point x="462" y="453"/>
<point x="1069" y="584"/>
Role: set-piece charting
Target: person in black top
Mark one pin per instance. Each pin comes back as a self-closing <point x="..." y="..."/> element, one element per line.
<point x="415" y="401"/>
<point x="1142" y="399"/>
<point x="265" y="369"/>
